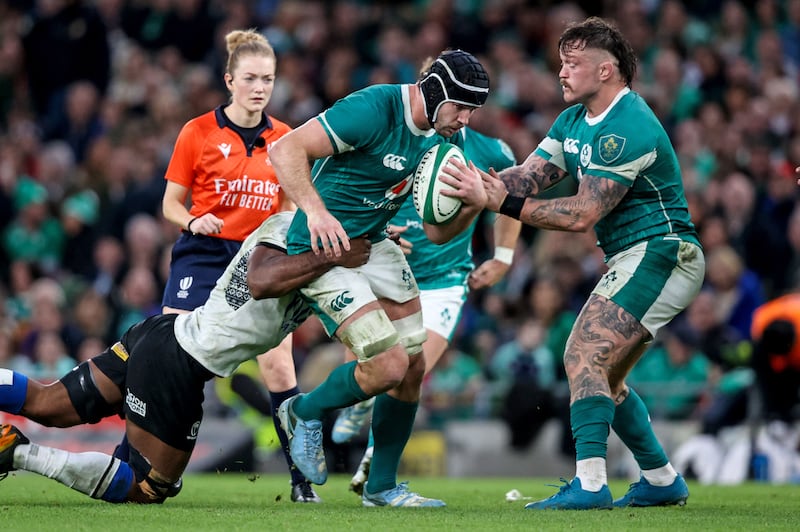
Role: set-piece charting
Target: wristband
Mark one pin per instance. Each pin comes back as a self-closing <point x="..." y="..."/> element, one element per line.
<point x="189" y="225"/>
<point x="512" y="206"/>
<point x="504" y="254"/>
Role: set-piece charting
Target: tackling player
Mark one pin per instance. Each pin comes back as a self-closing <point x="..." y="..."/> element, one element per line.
<point x="156" y="373"/>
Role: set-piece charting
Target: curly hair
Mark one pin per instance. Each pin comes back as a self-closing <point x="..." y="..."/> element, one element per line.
<point x="596" y="33"/>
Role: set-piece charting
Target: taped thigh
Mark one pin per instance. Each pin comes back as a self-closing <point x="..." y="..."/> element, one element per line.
<point x="84" y="395"/>
<point x="412" y="333"/>
<point x="369" y="335"/>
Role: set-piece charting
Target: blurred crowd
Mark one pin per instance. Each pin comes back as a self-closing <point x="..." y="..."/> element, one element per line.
<point x="93" y="94"/>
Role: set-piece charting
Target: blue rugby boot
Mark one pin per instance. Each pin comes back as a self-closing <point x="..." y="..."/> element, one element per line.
<point x="305" y="442"/>
<point x="571" y="496"/>
<point x="643" y="493"/>
<point x="398" y="497"/>
<point x="350" y="421"/>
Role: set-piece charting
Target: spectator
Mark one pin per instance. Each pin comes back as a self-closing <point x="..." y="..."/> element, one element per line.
<point x="523" y="373"/>
<point x="450" y="390"/>
<point x="51" y="360"/>
<point x="34" y="235"/>
<point x="54" y="58"/>
<point x="737" y="290"/>
<point x="673" y="375"/>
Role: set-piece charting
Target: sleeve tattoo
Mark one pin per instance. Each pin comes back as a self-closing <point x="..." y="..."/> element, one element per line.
<point x="596" y="197"/>
<point x="531" y="177"/>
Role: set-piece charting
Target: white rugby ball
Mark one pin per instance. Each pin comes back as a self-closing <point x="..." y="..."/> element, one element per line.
<point x="432" y="206"/>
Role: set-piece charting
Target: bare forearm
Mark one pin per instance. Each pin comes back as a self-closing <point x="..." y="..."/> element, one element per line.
<point x="275" y="278"/>
<point x="439" y="234"/>
<point x="561" y="214"/>
<point x="506" y="231"/>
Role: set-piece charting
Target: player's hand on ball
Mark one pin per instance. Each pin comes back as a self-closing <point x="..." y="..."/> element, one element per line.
<point x="466" y="182"/>
<point x="496" y="190"/>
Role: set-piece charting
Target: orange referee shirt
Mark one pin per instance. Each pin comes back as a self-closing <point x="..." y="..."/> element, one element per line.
<point x="233" y="181"/>
<point x="784" y="308"/>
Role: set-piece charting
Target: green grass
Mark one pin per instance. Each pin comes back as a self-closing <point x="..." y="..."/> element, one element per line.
<point x="233" y="501"/>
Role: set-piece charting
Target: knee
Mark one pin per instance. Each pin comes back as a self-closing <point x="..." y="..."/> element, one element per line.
<point x="415" y="372"/>
<point x="386" y="371"/>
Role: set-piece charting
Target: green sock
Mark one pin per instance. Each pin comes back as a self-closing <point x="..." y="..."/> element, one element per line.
<point x="392" y="422"/>
<point x="591" y="420"/>
<point x="340" y="389"/>
<point x="632" y="425"/>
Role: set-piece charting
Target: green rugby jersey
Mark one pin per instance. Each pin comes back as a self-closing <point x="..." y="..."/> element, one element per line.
<point x="449" y="264"/>
<point x="628" y="144"/>
<point x="377" y="147"/>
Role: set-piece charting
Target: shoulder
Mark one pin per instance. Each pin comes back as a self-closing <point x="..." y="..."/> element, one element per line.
<point x="375" y="96"/>
<point x="200" y="125"/>
<point x="279" y="126"/>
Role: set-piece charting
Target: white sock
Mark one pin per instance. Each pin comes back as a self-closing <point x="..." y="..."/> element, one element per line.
<point x="89" y="473"/>
<point x="592" y="472"/>
<point x="662" y="476"/>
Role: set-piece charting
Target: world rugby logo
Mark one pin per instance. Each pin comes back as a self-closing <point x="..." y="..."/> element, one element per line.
<point x="184" y="285"/>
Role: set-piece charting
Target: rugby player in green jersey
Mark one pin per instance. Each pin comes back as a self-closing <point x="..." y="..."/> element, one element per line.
<point x="444" y="273"/>
<point x="630" y="191"/>
<point x="366" y="148"/>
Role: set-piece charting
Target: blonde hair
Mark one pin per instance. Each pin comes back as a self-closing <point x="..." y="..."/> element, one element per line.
<point x="245" y="42"/>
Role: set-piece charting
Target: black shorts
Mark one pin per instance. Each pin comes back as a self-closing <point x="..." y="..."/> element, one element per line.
<point x="162" y="389"/>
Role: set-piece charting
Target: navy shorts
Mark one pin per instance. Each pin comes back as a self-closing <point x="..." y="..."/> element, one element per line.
<point x="162" y="386"/>
<point x="197" y="263"/>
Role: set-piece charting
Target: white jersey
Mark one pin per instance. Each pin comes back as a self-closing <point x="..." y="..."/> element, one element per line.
<point x="231" y="326"/>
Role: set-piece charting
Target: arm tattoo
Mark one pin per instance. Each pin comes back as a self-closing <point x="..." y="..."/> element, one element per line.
<point x="605" y="193"/>
<point x="596" y="197"/>
<point x="531" y="177"/>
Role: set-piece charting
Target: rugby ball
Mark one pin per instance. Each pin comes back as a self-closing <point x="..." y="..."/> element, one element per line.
<point x="431" y="205"/>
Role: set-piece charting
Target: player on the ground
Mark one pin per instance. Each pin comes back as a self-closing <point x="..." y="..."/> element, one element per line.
<point x="630" y="190"/>
<point x="156" y="373"/>
<point x="366" y="148"/>
<point x="445" y="273"/>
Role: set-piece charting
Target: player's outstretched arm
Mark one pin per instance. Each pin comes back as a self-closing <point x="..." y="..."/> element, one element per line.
<point x="506" y="232"/>
<point x="273" y="273"/>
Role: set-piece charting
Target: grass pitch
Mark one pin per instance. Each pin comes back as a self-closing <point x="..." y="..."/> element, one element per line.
<point x="234" y="501"/>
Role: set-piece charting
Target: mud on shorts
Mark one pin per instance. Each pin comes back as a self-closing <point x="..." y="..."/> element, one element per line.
<point x="336" y="295"/>
<point x="654" y="280"/>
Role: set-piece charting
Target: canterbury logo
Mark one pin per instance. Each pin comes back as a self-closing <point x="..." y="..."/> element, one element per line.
<point x="341" y="301"/>
<point x="395" y="162"/>
<point x="225" y="148"/>
<point x="186" y="283"/>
